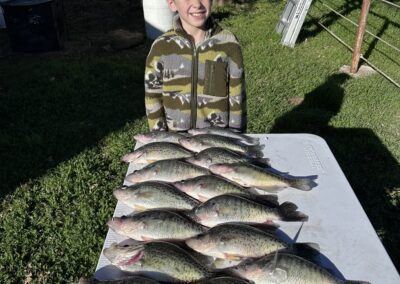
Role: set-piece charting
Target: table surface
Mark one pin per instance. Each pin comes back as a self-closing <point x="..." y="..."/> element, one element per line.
<point x="349" y="245"/>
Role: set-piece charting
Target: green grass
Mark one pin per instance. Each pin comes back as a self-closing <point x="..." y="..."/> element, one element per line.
<point x="66" y="120"/>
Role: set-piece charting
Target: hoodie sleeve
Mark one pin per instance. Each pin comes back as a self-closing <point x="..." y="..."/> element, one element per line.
<point x="153" y="83"/>
<point x="237" y="90"/>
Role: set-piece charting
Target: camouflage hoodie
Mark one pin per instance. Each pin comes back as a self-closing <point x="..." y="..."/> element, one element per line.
<point x="190" y="86"/>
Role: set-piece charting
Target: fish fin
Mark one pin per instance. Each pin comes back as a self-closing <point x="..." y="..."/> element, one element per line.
<point x="255" y="151"/>
<point x="233" y="257"/>
<point x="265" y="227"/>
<point x="304" y="184"/>
<point x="267" y="199"/>
<point x="202" y="198"/>
<point x="356" y="282"/>
<point x="151" y="161"/>
<point x="289" y="213"/>
<point x="263" y="190"/>
<point x="261" y="162"/>
<point x="146" y="239"/>
<point x="139" y="207"/>
<point x="251" y="140"/>
<point x="305" y="249"/>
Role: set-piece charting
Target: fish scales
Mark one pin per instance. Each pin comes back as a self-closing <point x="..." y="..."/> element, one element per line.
<point x="218" y="155"/>
<point x="227" y="132"/>
<point x="159" y="260"/>
<point x="154" y="194"/>
<point x="155" y="224"/>
<point x="286" y="268"/>
<point x="159" y="136"/>
<point x="204" y="141"/>
<point x="157" y="151"/>
<point x="235" y="242"/>
<point x="168" y="171"/>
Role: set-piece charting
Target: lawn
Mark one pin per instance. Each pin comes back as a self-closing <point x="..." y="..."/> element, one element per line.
<point x="66" y="118"/>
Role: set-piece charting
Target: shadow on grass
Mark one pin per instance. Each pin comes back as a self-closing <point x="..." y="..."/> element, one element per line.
<point x="368" y="165"/>
<point x="53" y="108"/>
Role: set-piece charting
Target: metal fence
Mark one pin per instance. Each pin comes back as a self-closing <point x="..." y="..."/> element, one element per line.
<point x="327" y="8"/>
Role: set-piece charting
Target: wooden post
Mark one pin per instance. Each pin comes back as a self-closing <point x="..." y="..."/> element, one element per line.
<point x="360" y="35"/>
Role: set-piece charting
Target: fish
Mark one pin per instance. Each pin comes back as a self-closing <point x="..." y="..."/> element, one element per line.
<point x="286" y="268"/>
<point x="252" y="176"/>
<point x="158" y="260"/>
<point x="154" y="225"/>
<point x="124" y="280"/>
<point x="223" y="280"/>
<point x="201" y="142"/>
<point x="234" y="208"/>
<point x="227" y="132"/>
<point x="154" y="194"/>
<point x="157" y="151"/>
<point x="159" y="136"/>
<point x="235" y="241"/>
<point x="216" y="155"/>
<point x="166" y="170"/>
<point x="205" y="187"/>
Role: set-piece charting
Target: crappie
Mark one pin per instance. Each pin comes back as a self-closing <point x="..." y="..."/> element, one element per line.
<point x="205" y="187"/>
<point x="154" y="194"/>
<point x="155" y="224"/>
<point x="233" y="208"/>
<point x="223" y="280"/>
<point x="235" y="241"/>
<point x="227" y="132"/>
<point x="159" y="136"/>
<point x="203" y="141"/>
<point x="215" y="155"/>
<point x="159" y="260"/>
<point x="157" y="151"/>
<point x="252" y="176"/>
<point x="167" y="170"/>
<point x="125" y="280"/>
<point x="286" y="268"/>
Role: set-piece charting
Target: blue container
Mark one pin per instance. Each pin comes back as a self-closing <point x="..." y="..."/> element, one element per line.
<point x="34" y="25"/>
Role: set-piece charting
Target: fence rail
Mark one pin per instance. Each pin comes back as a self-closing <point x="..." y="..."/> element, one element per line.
<point x="356" y="51"/>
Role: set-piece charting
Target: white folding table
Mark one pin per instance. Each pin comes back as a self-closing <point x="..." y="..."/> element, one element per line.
<point x="349" y="245"/>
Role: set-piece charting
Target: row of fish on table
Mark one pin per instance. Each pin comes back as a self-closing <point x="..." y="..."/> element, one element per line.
<point x="204" y="213"/>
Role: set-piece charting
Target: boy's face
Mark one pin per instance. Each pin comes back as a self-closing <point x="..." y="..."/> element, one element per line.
<point x="193" y="13"/>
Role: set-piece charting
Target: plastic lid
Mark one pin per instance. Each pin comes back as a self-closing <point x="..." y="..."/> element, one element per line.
<point x="23" y="2"/>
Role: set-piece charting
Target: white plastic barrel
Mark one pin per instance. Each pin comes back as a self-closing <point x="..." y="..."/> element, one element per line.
<point x="158" y="17"/>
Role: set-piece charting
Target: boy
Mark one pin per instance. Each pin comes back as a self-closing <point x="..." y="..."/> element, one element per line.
<point x="194" y="75"/>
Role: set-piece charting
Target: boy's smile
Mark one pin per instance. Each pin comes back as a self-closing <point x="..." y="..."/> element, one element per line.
<point x="193" y="13"/>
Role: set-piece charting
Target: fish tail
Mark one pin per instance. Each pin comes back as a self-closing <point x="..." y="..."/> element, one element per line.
<point x="252" y="140"/>
<point x="261" y="162"/>
<point x="288" y="211"/>
<point x="256" y="151"/>
<point x="306" y="249"/>
<point x="304" y="184"/>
